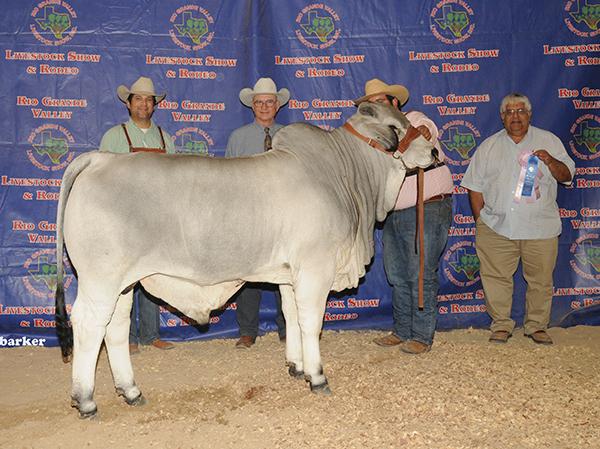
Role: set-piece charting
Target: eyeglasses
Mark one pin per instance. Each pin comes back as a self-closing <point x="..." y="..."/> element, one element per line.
<point x="519" y="111"/>
<point x="261" y="103"/>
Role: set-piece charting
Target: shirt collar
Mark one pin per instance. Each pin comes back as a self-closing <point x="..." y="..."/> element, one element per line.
<point x="131" y="124"/>
<point x="258" y="125"/>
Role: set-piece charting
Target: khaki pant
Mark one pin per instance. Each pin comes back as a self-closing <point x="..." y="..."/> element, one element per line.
<point x="499" y="258"/>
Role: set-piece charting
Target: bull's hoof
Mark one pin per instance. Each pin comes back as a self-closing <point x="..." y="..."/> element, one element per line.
<point x="294" y="372"/>
<point x="137" y="401"/>
<point x="321" y="389"/>
<point x="87" y="414"/>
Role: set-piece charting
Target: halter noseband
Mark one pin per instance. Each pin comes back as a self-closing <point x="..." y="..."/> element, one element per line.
<point x="411" y="134"/>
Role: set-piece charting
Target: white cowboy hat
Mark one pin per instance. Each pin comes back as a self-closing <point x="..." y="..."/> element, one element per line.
<point x="264" y="86"/>
<point x="376" y="87"/>
<point x="143" y="86"/>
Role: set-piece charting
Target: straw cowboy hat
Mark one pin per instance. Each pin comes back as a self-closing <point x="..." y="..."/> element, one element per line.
<point x="143" y="86"/>
<point x="376" y="87"/>
<point x="264" y="86"/>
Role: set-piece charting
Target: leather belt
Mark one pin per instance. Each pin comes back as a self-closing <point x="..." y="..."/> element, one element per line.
<point x="414" y="171"/>
<point x="439" y="197"/>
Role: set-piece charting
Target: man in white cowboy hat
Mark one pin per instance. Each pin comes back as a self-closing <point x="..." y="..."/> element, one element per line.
<point x="413" y="328"/>
<point x="140" y="133"/>
<point x="265" y="100"/>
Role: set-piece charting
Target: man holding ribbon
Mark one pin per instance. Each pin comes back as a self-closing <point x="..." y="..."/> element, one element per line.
<point x="264" y="100"/>
<point x="512" y="182"/>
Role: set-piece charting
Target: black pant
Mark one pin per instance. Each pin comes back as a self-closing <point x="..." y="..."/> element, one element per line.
<point x="248" y="305"/>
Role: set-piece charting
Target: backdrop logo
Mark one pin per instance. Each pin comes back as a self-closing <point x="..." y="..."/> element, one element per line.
<point x="585" y="259"/>
<point x="193" y="141"/>
<point x="458" y="140"/>
<point x="53" y="22"/>
<point x="463" y="264"/>
<point x="585" y="134"/>
<point x="50" y="146"/>
<point x="317" y="26"/>
<point x="582" y="17"/>
<point x="41" y="278"/>
<point x="451" y="21"/>
<point x="191" y="27"/>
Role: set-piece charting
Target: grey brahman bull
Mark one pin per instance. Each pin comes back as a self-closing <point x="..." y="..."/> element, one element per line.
<point x="193" y="229"/>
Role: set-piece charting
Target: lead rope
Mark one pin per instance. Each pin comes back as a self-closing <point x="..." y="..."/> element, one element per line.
<point x="420" y="234"/>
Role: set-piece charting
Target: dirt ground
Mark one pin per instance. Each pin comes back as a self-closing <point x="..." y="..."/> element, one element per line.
<point x="465" y="393"/>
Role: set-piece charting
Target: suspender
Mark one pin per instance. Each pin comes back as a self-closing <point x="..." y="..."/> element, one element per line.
<point x="133" y="149"/>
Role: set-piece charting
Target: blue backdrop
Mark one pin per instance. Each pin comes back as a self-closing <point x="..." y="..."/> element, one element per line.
<point x="61" y="62"/>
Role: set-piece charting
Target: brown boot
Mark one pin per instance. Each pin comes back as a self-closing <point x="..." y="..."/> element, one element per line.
<point x="160" y="344"/>
<point x="415" y="347"/>
<point x="388" y="340"/>
<point x="245" y="342"/>
<point x="133" y="348"/>
<point x="541" y="338"/>
<point x="499" y="337"/>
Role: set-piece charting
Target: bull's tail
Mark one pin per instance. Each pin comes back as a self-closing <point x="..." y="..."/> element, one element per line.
<point x="63" y="328"/>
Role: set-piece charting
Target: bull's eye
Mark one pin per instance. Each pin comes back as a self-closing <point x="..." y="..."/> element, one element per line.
<point x="367" y="110"/>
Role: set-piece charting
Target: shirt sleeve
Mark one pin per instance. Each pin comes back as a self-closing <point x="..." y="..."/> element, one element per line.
<point x="559" y="152"/>
<point x="169" y="145"/>
<point x="232" y="148"/>
<point x="111" y="141"/>
<point x="104" y="145"/>
<point x="474" y="177"/>
<point x="417" y="119"/>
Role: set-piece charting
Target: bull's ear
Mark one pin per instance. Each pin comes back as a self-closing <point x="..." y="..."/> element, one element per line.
<point x="367" y="109"/>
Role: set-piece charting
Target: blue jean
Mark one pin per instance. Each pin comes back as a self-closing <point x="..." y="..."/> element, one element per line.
<point x="145" y="318"/>
<point x="247" y="312"/>
<point x="401" y="264"/>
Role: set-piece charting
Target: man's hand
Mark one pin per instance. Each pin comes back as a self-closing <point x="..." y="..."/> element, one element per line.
<point x="559" y="171"/>
<point x="543" y="156"/>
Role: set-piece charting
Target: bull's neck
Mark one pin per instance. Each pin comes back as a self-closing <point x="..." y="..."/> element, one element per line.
<point x="375" y="167"/>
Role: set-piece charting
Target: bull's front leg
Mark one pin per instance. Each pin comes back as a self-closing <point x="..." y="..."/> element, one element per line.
<point x="293" y="339"/>
<point x="311" y="290"/>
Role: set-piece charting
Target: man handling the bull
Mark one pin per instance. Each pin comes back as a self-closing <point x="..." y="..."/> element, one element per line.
<point x="264" y="100"/>
<point x="140" y="133"/>
<point x="413" y="328"/>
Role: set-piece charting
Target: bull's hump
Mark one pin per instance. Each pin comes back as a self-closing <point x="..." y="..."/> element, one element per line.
<point x="297" y="130"/>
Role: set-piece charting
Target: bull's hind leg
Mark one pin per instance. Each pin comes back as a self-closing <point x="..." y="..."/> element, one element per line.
<point x="311" y="288"/>
<point x="293" y="339"/>
<point x="117" y="346"/>
<point x="90" y="317"/>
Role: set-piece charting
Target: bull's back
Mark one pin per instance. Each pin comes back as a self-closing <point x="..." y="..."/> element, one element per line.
<point x="195" y="216"/>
